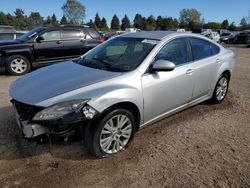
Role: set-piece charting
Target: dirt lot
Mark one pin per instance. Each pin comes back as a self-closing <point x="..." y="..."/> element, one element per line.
<point x="205" y="146"/>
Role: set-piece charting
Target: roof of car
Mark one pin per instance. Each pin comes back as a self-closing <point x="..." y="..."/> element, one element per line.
<point x="156" y="35"/>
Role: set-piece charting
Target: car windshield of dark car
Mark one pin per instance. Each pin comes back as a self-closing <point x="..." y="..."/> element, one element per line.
<point x="31" y="34"/>
<point x="119" y="54"/>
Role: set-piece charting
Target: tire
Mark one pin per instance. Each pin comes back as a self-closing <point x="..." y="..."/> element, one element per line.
<point x="220" y="90"/>
<point x="104" y="140"/>
<point x="17" y="65"/>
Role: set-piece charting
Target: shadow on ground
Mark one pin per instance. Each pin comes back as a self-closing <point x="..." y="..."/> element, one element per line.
<point x="13" y="146"/>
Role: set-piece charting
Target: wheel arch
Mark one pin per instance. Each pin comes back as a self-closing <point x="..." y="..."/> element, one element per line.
<point x="128" y="106"/>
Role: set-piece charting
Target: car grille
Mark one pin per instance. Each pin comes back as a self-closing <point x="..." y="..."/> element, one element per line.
<point x="25" y="111"/>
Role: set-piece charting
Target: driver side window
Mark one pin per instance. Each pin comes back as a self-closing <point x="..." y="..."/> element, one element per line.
<point x="175" y="51"/>
<point x="52" y="35"/>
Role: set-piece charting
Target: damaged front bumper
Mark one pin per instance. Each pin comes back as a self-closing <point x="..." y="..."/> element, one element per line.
<point x="61" y="127"/>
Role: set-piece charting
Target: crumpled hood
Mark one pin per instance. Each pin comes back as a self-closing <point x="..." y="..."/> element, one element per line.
<point x="55" y="80"/>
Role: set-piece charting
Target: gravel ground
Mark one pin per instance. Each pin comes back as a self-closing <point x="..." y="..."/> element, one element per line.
<point x="204" y="146"/>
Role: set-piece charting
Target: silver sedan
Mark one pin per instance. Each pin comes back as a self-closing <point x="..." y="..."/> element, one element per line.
<point x="120" y="86"/>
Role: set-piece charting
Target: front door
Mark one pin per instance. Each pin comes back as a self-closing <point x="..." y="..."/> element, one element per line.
<point x="165" y="91"/>
<point x="50" y="48"/>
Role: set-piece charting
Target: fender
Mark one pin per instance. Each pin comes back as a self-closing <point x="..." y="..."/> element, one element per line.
<point x="22" y="49"/>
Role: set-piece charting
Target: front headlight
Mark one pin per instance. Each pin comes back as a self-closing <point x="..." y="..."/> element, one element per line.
<point x="59" y="110"/>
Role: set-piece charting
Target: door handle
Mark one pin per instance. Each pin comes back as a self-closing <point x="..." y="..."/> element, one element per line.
<point x="58" y="42"/>
<point x="218" y="61"/>
<point x="190" y="71"/>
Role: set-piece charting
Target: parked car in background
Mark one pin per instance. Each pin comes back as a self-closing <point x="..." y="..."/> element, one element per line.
<point x="46" y="45"/>
<point x="9" y="33"/>
<point x="224" y="37"/>
<point x="212" y="35"/>
<point x="7" y="29"/>
<point x="10" y="36"/>
<point x="242" y="37"/>
<point x="122" y="85"/>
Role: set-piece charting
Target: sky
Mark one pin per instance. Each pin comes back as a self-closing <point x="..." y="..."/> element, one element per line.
<point x="211" y="10"/>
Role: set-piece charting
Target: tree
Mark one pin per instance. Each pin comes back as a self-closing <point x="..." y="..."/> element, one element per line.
<point x="104" y="25"/>
<point x="47" y="21"/>
<point x="225" y="24"/>
<point x="189" y="16"/>
<point x="36" y="19"/>
<point x="151" y="23"/>
<point x="91" y="24"/>
<point x="74" y="11"/>
<point x="63" y="20"/>
<point x="98" y="21"/>
<point x="20" y="19"/>
<point x="138" y="21"/>
<point x="232" y="27"/>
<point x="53" y="20"/>
<point x="125" y="22"/>
<point x="115" y="23"/>
<point x="160" y="23"/>
<point x="243" y="22"/>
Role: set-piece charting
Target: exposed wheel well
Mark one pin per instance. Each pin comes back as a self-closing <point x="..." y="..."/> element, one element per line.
<point x="227" y="72"/>
<point x="128" y="106"/>
<point x="22" y="54"/>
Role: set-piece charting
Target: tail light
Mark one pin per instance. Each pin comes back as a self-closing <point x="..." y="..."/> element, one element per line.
<point x="102" y="39"/>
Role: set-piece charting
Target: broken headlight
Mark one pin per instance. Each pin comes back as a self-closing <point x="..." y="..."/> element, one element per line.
<point x="59" y="110"/>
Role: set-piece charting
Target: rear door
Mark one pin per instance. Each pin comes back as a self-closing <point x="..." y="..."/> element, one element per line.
<point x="50" y="48"/>
<point x="206" y="62"/>
<point x="92" y="38"/>
<point x="73" y="42"/>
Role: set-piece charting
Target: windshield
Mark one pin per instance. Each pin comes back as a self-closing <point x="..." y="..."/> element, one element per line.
<point x="31" y="34"/>
<point x="119" y="54"/>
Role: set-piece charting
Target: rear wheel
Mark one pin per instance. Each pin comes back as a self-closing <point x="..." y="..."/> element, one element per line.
<point x="112" y="134"/>
<point x="221" y="89"/>
<point x="17" y="65"/>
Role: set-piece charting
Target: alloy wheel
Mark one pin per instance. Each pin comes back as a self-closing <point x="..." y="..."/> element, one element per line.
<point x="221" y="88"/>
<point x="18" y="65"/>
<point x="115" y="134"/>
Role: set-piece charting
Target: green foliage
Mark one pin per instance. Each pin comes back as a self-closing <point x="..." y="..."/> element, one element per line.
<point x="115" y="23"/>
<point x="125" y="22"/>
<point x="91" y="24"/>
<point x="138" y="21"/>
<point x="53" y="21"/>
<point x="98" y="21"/>
<point x="63" y="20"/>
<point x="36" y="18"/>
<point x="104" y="25"/>
<point x="74" y="11"/>
<point x="225" y="24"/>
<point x="212" y="25"/>
<point x="190" y="15"/>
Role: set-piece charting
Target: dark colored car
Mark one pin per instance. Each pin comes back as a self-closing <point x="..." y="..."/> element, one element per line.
<point x="242" y="37"/>
<point x="46" y="45"/>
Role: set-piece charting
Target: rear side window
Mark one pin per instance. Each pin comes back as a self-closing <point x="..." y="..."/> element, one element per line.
<point x="93" y="33"/>
<point x="71" y="34"/>
<point x="201" y="48"/>
<point x="175" y="51"/>
<point x="215" y="49"/>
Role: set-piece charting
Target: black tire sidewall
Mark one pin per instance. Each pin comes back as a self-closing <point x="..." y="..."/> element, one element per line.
<point x="11" y="58"/>
<point x="96" y="148"/>
<point x="214" y="98"/>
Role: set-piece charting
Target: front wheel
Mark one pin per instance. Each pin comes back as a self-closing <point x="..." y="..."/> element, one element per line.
<point x="17" y="65"/>
<point x="221" y="89"/>
<point x="112" y="134"/>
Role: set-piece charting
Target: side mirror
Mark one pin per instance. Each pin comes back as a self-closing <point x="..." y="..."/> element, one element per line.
<point x="163" y="65"/>
<point x="39" y="39"/>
